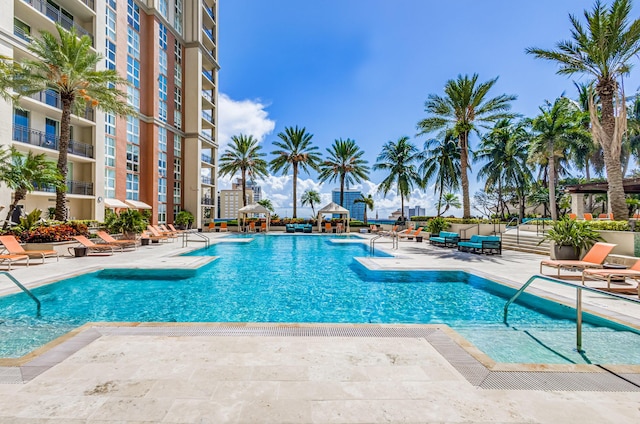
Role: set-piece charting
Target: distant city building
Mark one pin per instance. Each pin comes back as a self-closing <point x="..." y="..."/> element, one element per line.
<point x="356" y="210"/>
<point x="417" y="211"/>
<point x="251" y="185"/>
<point x="231" y="201"/>
<point x="395" y="215"/>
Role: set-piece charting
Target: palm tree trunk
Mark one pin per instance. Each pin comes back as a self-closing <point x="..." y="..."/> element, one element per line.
<point x="611" y="149"/>
<point x="17" y="197"/>
<point x="63" y="146"/>
<point x="342" y="189"/>
<point x="464" y="177"/>
<point x="440" y="197"/>
<point x="552" y="186"/>
<point x="295" y="188"/>
<point x="587" y="175"/>
<point x="244" y="188"/>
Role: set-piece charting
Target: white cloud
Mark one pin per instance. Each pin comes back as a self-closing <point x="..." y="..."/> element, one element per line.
<point x="247" y="117"/>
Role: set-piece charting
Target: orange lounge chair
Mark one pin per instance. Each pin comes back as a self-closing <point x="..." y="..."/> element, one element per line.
<point x="327" y="227"/>
<point x="594" y="258"/>
<point x="153" y="237"/>
<point x="373" y="228"/>
<point x="9" y="259"/>
<point x="263" y="227"/>
<point x="212" y="226"/>
<point x="223" y="227"/>
<point x="12" y="246"/>
<point x="409" y="235"/>
<point x="252" y="227"/>
<point x="573" y="216"/>
<point x="95" y="248"/>
<point x="162" y="232"/>
<point x="124" y="244"/>
<point x="154" y="232"/>
<point x="588" y="217"/>
<point x="172" y="228"/>
<point x="609" y="274"/>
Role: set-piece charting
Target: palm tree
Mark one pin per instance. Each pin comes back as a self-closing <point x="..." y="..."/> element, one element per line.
<point x="311" y="198"/>
<point x="464" y="108"/>
<point x="344" y="163"/>
<point x="243" y="155"/>
<point x="294" y="151"/>
<point x="399" y="160"/>
<point x="23" y="174"/>
<point x="441" y="160"/>
<point x="267" y="204"/>
<point x="367" y="202"/>
<point x="604" y="50"/>
<point x="555" y="129"/>
<point x="504" y="151"/>
<point x="449" y="200"/>
<point x="66" y="64"/>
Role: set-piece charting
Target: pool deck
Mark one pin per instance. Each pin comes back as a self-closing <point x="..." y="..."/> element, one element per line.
<point x="248" y="373"/>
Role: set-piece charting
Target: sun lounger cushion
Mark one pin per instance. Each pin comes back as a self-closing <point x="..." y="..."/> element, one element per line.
<point x="482" y="244"/>
<point x="445" y="238"/>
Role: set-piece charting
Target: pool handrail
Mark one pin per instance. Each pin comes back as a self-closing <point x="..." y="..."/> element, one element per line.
<point x="579" y="288"/>
<point x="185" y="237"/>
<point x="23" y="288"/>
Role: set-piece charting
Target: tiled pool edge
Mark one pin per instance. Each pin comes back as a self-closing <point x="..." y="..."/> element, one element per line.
<point x="442" y="338"/>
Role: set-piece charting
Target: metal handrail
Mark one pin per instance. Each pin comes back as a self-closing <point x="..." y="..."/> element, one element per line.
<point x="517" y="227"/>
<point x="186" y="234"/>
<point x="579" y="290"/>
<point x="23" y="288"/>
<point x="394" y="241"/>
<point x="464" y="230"/>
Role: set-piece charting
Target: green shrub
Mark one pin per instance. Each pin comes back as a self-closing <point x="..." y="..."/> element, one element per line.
<point x="436" y="225"/>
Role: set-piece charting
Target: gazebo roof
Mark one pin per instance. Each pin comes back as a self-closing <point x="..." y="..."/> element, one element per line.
<point x="254" y="208"/>
<point x="334" y="208"/>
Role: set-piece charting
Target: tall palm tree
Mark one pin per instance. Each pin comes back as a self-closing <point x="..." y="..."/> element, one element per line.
<point x="267" y="204"/>
<point x="243" y="155"/>
<point x="464" y="108"/>
<point x="367" y="202"/>
<point x="449" y="200"/>
<point x="311" y="198"/>
<point x="399" y="160"/>
<point x="441" y="161"/>
<point x="605" y="50"/>
<point x="344" y="163"/>
<point x="504" y="151"/>
<point x="554" y="130"/>
<point x="66" y="64"/>
<point x="23" y="174"/>
<point x="294" y="151"/>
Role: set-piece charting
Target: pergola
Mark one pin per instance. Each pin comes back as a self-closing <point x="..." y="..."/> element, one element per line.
<point x="577" y="191"/>
<point x="332" y="208"/>
<point x="253" y="208"/>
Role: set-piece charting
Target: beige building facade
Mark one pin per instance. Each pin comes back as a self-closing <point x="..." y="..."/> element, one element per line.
<point x="162" y="159"/>
<point x="231" y="201"/>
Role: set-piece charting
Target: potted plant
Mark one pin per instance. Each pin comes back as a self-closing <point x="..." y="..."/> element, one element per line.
<point x="570" y="237"/>
<point x="436" y="225"/>
<point x="184" y="219"/>
<point x="129" y="222"/>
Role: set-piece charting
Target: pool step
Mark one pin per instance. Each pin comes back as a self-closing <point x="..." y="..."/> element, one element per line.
<point x="525" y="242"/>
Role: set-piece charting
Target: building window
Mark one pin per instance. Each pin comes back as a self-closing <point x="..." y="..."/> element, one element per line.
<point x="110" y="124"/>
<point x="162" y="36"/>
<point x="177" y="17"/>
<point x="133" y="97"/>
<point x="162" y="164"/>
<point x="177" y="119"/>
<point x="162" y="190"/>
<point x="110" y="55"/>
<point x="133" y="130"/>
<point x="133" y="43"/>
<point x="162" y="111"/>
<point x="177" y="51"/>
<point x="177" y="74"/>
<point x="133" y="158"/>
<point x="162" y="62"/>
<point x="133" y="71"/>
<point x="110" y="28"/>
<point x="162" y="139"/>
<point x="177" y="146"/>
<point x="110" y="151"/>
<point x="109" y="183"/>
<point x="21" y="29"/>
<point x="133" y="187"/>
<point x="133" y="14"/>
<point x="162" y="213"/>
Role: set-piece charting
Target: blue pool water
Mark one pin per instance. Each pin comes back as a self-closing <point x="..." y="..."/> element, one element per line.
<point x="312" y="279"/>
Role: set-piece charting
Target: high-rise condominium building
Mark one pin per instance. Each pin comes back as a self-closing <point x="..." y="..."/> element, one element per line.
<point x="161" y="158"/>
<point x="356" y="210"/>
<point x="251" y="185"/>
<point x="231" y="201"/>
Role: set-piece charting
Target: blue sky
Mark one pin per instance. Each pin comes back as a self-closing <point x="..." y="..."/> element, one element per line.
<point x="362" y="69"/>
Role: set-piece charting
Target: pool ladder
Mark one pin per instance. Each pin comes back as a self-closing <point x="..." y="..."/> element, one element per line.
<point x="23" y="288"/>
<point x="394" y="241"/>
<point x="579" y="290"/>
<point x="201" y="238"/>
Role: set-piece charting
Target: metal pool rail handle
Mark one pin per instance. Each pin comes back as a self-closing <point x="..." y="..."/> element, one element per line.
<point x="394" y="241"/>
<point x="186" y="234"/>
<point x="23" y="288"/>
<point x="579" y="289"/>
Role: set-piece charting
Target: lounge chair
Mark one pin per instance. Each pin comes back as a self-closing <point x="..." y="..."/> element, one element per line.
<point x="172" y="228"/>
<point x="155" y="233"/>
<point x="339" y="227"/>
<point x="96" y="248"/>
<point x="252" y="227"/>
<point x="13" y="247"/>
<point x="445" y="238"/>
<point x="223" y="227"/>
<point x="263" y="227"/>
<point x="124" y="244"/>
<point x="618" y="274"/>
<point x="162" y="232"/>
<point x="154" y="238"/>
<point x="409" y="235"/>
<point x="212" y="226"/>
<point x="327" y="227"/>
<point x="391" y="232"/>
<point x="373" y="228"/>
<point x="9" y="259"/>
<point x="594" y="258"/>
<point x="588" y="217"/>
<point x="573" y="216"/>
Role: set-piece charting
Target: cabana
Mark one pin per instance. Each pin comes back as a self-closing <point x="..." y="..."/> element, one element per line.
<point x="333" y="208"/>
<point x="253" y="208"/>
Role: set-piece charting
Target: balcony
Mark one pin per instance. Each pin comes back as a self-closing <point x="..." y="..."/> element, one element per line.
<point x="207" y="159"/>
<point x="209" y="11"/>
<point x="73" y="187"/>
<point x="49" y="141"/>
<point x="209" y="76"/>
<point x="206" y="180"/>
<point x="21" y="33"/>
<point x="209" y="33"/>
<point x="56" y="15"/>
<point x="206" y="201"/>
<point x="52" y="98"/>
<point x="207" y="116"/>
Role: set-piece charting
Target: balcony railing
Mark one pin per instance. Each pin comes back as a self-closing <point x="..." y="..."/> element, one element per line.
<point x="56" y="15"/>
<point x="207" y="134"/>
<point x="206" y="201"/>
<point x="90" y="4"/>
<point x="209" y="33"/>
<point x="50" y="141"/>
<point x="207" y="95"/>
<point x="21" y="33"/>
<point x="209" y="11"/>
<point x="206" y="180"/>
<point x="52" y="98"/>
<point x="207" y="158"/>
<point x="73" y="187"/>
<point x="208" y="116"/>
<point x="209" y="76"/>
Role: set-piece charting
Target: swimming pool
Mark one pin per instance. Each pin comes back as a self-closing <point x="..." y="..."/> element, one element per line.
<point x="301" y="278"/>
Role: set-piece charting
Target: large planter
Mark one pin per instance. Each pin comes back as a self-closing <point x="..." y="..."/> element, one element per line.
<point x="566" y="253"/>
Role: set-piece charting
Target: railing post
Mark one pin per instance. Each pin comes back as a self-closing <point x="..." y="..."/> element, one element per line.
<point x="579" y="319"/>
